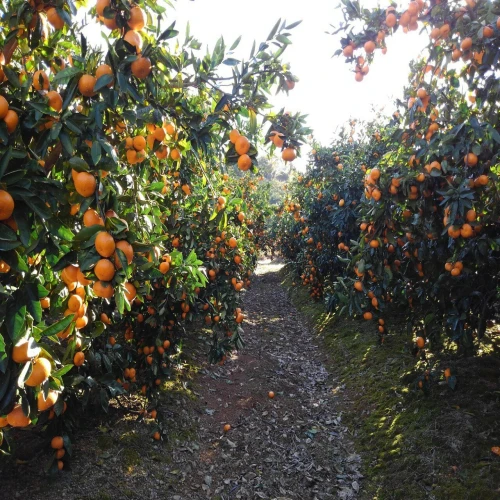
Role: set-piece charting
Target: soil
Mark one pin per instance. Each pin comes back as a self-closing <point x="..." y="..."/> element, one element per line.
<point x="294" y="445"/>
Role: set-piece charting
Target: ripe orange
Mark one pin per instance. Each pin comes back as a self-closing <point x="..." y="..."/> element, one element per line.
<point x="55" y="100"/>
<point x="141" y="67"/>
<point x="271" y="394"/>
<point x="4" y="107"/>
<point x="45" y="302"/>
<point x="466" y="43"/>
<point x="103" y="290"/>
<point x="60" y="453"/>
<point x="137" y="19"/>
<point x="104" y="270"/>
<point x="156" y="436"/>
<point x="244" y="162"/>
<point x="131" y="291"/>
<point x="44" y="404"/>
<point x="105" y="244"/>
<point x="41" y="80"/>
<point x="242" y="145"/>
<point x="227" y="428"/>
<point x="369" y="47"/>
<point x="11" y="119"/>
<point x="127" y="249"/>
<point x="40" y="373"/>
<point x="91" y="218"/>
<point x="175" y="154"/>
<point x="134" y="39"/>
<point x="233" y="135"/>
<point x="57" y="443"/>
<point x="420" y="342"/>
<point x="78" y="358"/>
<point x="288" y="154"/>
<point x="86" y="85"/>
<point x="85" y="184"/>
<point x="17" y="418"/>
<point x="6" y="205"/>
<point x="391" y="20"/>
<point x="104" y="69"/>
<point x="164" y="267"/>
<point x="233" y="243"/>
<point x="21" y="352"/>
<point x="367" y="315"/>
<point x="54" y="18"/>
<point x="470" y="160"/>
<point x="101" y="5"/>
<point x="74" y="303"/>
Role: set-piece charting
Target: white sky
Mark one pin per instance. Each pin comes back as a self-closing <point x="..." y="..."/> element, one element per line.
<point x="327" y="91"/>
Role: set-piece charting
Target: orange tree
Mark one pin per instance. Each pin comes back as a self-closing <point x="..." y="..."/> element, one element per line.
<point x="117" y="221"/>
<point x="429" y="216"/>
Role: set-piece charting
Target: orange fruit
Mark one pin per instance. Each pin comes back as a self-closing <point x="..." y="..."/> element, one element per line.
<point x="85" y="184"/>
<point x="40" y="372"/>
<point x="101" y="5"/>
<point x="105" y="244"/>
<point x="45" y="302"/>
<point x="271" y="394"/>
<point x="78" y="358"/>
<point x="420" y="342"/>
<point x="17" y="418"/>
<point x="11" y="119"/>
<point x="60" y="465"/>
<point x="22" y="352"/>
<point x="4" y="107"/>
<point x="86" y="85"/>
<point x="60" y="453"/>
<point x="466" y="43"/>
<point x="137" y="19"/>
<point x="141" y="67"/>
<point x="92" y="218"/>
<point x="103" y="290"/>
<point x="74" y="303"/>
<point x="55" y="100"/>
<point x="244" y="162"/>
<point x="41" y="80"/>
<point x="233" y="135"/>
<point x="369" y="47"/>
<point x="470" y="160"/>
<point x="233" y="243"/>
<point x="127" y="249"/>
<point x="227" y="428"/>
<point x="175" y="154"/>
<point x="139" y="142"/>
<point x="288" y="154"/>
<point x="57" y="443"/>
<point x="104" y="69"/>
<point x="164" y="267"/>
<point x="44" y="404"/>
<point x="242" y="145"/>
<point x="134" y="39"/>
<point x="104" y="270"/>
<point x="367" y="315"/>
<point x="131" y="291"/>
<point x="156" y="436"/>
<point x="54" y="18"/>
<point x="6" y="205"/>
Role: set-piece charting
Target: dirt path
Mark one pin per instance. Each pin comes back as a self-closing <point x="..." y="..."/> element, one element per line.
<point x="291" y="447"/>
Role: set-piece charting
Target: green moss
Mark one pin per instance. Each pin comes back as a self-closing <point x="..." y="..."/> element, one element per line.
<point x="406" y="439"/>
<point x="104" y="442"/>
<point x="130" y="457"/>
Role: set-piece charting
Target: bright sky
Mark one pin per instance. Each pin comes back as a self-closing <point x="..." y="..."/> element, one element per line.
<point x="327" y="91"/>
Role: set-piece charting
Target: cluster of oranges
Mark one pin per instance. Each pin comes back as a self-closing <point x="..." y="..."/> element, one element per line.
<point x="9" y="116"/>
<point x="242" y="147"/>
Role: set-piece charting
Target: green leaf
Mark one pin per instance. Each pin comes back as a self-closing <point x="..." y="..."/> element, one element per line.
<point x="57" y="327"/>
<point x="87" y="232"/>
<point x="62" y="371"/>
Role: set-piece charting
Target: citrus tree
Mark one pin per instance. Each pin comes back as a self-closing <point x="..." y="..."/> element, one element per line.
<point x="119" y="218"/>
<point x="429" y="213"/>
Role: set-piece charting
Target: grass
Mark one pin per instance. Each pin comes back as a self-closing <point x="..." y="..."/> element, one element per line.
<point x="413" y="445"/>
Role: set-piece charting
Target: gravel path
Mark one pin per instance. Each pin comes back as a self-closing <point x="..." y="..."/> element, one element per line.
<point x="291" y="447"/>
